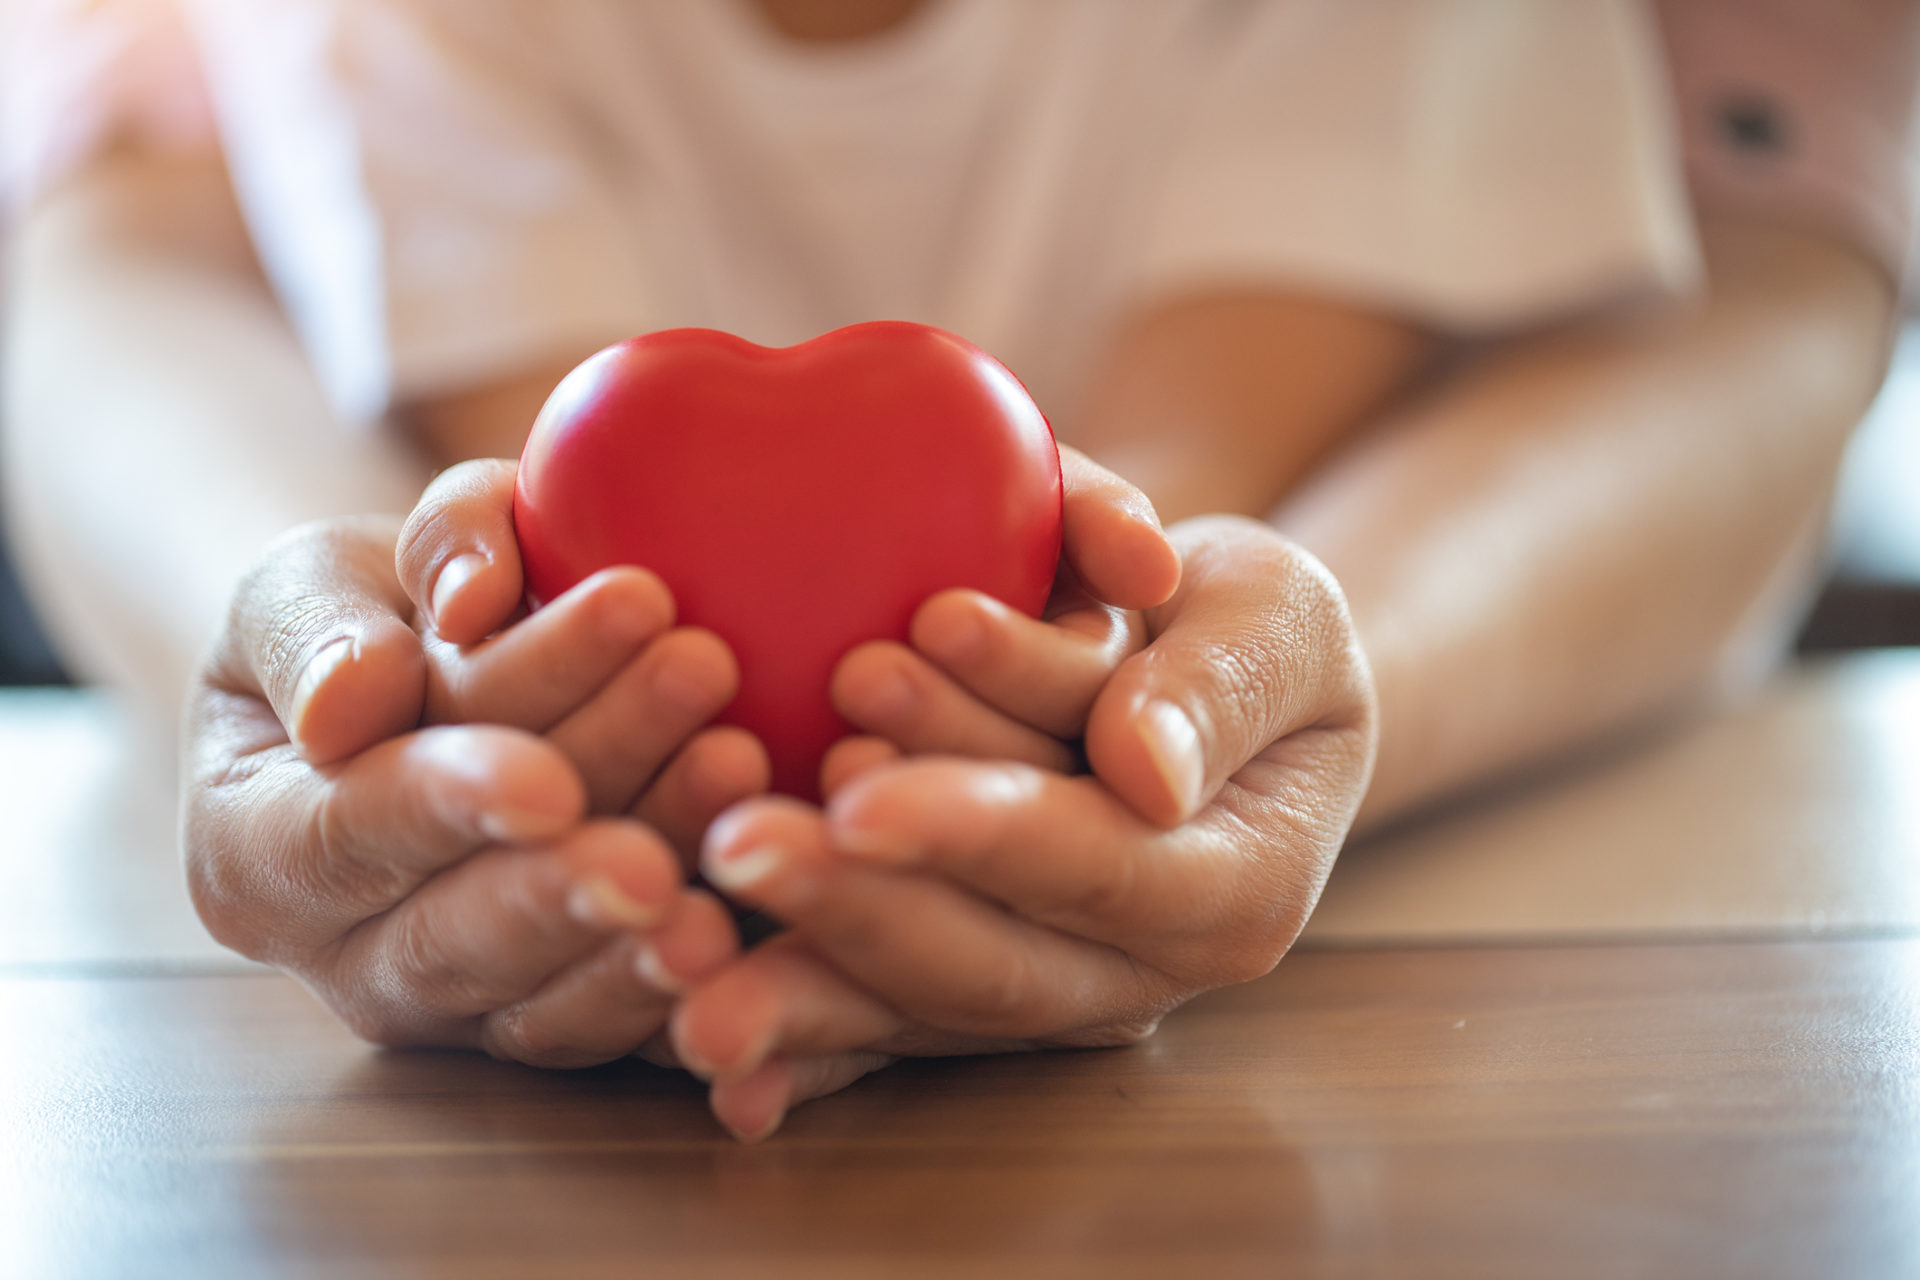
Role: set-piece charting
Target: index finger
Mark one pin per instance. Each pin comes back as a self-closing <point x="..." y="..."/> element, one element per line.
<point x="1112" y="538"/>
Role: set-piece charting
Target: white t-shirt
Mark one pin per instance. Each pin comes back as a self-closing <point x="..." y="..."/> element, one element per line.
<point x="446" y="191"/>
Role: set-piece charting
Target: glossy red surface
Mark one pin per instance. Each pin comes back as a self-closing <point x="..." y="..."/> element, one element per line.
<point x="797" y="501"/>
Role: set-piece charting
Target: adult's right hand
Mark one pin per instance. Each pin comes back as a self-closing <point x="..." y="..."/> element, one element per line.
<point x="436" y="885"/>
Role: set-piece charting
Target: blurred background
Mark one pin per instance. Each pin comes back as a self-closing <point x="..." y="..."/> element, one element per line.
<point x="1871" y="598"/>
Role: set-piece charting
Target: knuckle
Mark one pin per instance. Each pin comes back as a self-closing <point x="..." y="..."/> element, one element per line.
<point x="1108" y="886"/>
<point x="515" y="1034"/>
<point x="235" y="870"/>
<point x="339" y="870"/>
<point x="1004" y="999"/>
<point x="221" y="913"/>
<point x="450" y="513"/>
<point x="862" y="933"/>
<point x="423" y="974"/>
<point x="454" y="493"/>
<point x="1259" y="944"/>
<point x="292" y="626"/>
<point x="211" y="885"/>
<point x="271" y="586"/>
<point x="376" y="1024"/>
<point x="1250" y="665"/>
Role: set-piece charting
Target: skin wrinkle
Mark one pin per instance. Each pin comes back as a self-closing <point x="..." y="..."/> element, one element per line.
<point x="258" y="867"/>
<point x="607" y="981"/>
<point x="1311" y="595"/>
<point x="234" y="745"/>
<point x="1111" y="1007"/>
<point x="425" y="994"/>
<point x="505" y="1034"/>
<point x="1280" y="901"/>
<point x="343" y="876"/>
<point x="294" y="633"/>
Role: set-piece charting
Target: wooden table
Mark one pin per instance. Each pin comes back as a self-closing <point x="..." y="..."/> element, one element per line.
<point x="1687" y="1083"/>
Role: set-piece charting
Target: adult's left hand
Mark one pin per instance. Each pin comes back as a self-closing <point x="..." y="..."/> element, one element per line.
<point x="942" y="905"/>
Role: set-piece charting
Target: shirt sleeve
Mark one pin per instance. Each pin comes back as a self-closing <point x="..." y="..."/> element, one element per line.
<point x="431" y="212"/>
<point x="1473" y="164"/>
<point x="1801" y="111"/>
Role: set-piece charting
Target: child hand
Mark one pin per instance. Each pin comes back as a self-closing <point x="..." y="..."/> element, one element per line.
<point x="433" y="886"/>
<point x="601" y="672"/>
<point x="986" y="681"/>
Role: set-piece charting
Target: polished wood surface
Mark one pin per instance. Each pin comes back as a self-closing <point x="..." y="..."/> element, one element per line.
<point x="1743" y="1109"/>
<point x="1795" y="812"/>
<point x="1656" y="1014"/>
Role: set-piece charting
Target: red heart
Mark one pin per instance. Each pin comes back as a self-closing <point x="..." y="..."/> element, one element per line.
<point x="796" y="501"/>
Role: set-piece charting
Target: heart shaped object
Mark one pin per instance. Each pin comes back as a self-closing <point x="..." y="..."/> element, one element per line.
<point x="797" y="501"/>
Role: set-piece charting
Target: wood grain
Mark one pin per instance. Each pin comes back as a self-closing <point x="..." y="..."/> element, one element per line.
<point x="1699" y="1110"/>
<point x="1796" y="812"/>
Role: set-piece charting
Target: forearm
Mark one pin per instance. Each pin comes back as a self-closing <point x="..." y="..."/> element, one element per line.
<point x="1587" y="528"/>
<point x="1186" y="403"/>
<point x="162" y="421"/>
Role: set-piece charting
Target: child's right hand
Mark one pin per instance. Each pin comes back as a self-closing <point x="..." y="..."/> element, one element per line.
<point x="438" y="885"/>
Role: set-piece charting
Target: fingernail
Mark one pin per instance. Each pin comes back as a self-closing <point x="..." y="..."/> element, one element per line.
<point x="690" y="1057"/>
<point x="454" y="575"/>
<point x="654" y="972"/>
<point x="868" y="843"/>
<point x="756" y="1055"/>
<point x="319" y="667"/>
<point x="1173" y="744"/>
<point x="506" y="824"/>
<point x="740" y="872"/>
<point x="771" y="1127"/>
<point x="1142" y="513"/>
<point x="599" y="903"/>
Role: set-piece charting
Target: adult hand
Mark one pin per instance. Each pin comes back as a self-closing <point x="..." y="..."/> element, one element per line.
<point x="948" y="905"/>
<point x="433" y="886"/>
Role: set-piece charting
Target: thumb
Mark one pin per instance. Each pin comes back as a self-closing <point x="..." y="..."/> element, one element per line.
<point x="1111" y="537"/>
<point x="319" y="628"/>
<point x="1255" y="646"/>
<point x="457" y="558"/>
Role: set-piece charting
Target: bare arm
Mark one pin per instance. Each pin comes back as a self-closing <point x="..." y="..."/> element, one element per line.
<point x="1576" y="530"/>
<point x="1591" y="526"/>
<point x="162" y="422"/>
<point x="1186" y="403"/>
